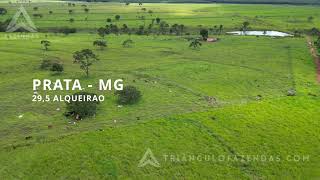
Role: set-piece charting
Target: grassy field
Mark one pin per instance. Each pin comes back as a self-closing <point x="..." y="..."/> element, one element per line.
<point x="265" y="17"/>
<point x="248" y="76"/>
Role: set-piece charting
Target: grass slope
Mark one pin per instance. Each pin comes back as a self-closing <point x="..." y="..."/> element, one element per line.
<point x="264" y="17"/>
<point x="172" y="82"/>
<point x="280" y="128"/>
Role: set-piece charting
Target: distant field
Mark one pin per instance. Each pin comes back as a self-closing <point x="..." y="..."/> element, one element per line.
<point x="249" y="77"/>
<point x="193" y="16"/>
<point x="225" y="1"/>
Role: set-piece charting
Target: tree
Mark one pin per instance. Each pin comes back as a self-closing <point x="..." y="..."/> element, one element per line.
<point x="204" y="33"/>
<point x="127" y="43"/>
<point x="35" y="8"/>
<point x="50" y="12"/>
<point x="82" y="109"/>
<point x="85" y="58"/>
<point x="314" y="32"/>
<point x="109" y="20"/>
<point x="245" y="26"/>
<point x="37" y="15"/>
<point x="70" y="11"/>
<point x="129" y="95"/>
<point x="158" y="20"/>
<point x="102" y="32"/>
<point x="3" y="11"/>
<point x="45" y="44"/>
<point x="117" y="17"/>
<point x="220" y="28"/>
<point x="86" y="10"/>
<point x="125" y="28"/>
<point x="317" y="43"/>
<point x="310" y="18"/>
<point x="195" y="43"/>
<point x="100" y="43"/>
<point x="163" y="27"/>
<point x="71" y="20"/>
<point x="57" y="67"/>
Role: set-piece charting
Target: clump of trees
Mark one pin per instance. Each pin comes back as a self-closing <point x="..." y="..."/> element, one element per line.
<point x="57" y="67"/>
<point x="52" y="63"/>
<point x="129" y="95"/>
<point x="317" y="44"/>
<point x="82" y="109"/>
<point x="65" y="30"/>
<point x="4" y="25"/>
<point x="37" y="15"/>
<point x="102" y="32"/>
<point x="85" y="58"/>
<point x="204" y="34"/>
<point x="3" y="11"/>
<point x="100" y="43"/>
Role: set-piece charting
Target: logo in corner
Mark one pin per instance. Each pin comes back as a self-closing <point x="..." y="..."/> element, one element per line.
<point x="148" y="159"/>
<point x="21" y="20"/>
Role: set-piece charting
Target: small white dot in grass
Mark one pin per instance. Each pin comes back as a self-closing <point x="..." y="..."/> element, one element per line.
<point x="119" y="106"/>
<point x="20" y="116"/>
<point x="115" y="121"/>
<point x="58" y="109"/>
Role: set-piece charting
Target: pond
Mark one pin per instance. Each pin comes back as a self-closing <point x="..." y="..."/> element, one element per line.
<point x="261" y="33"/>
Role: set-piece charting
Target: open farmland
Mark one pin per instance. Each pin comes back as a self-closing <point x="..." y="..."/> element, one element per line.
<point x="227" y="98"/>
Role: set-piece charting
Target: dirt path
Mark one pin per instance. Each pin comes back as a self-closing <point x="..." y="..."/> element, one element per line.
<point x="316" y="58"/>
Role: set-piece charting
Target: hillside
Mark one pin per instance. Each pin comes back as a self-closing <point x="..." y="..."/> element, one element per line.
<point x="220" y="1"/>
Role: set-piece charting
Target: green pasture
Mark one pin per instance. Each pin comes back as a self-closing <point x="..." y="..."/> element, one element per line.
<point x="174" y="79"/>
<point x="249" y="77"/>
<point x="275" y="129"/>
<point x="193" y="16"/>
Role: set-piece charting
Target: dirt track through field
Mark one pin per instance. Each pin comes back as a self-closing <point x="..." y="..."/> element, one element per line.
<point x="315" y="56"/>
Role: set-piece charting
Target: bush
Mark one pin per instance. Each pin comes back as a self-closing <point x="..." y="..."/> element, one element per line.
<point x="81" y="109"/>
<point x="57" y="67"/>
<point x="65" y="30"/>
<point x="129" y="95"/>
<point x="4" y="25"/>
<point x="3" y="11"/>
<point x="48" y="63"/>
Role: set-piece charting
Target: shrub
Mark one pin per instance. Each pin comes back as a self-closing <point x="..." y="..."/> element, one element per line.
<point x="81" y="109"/>
<point x="3" y="11"/>
<point x="67" y="30"/>
<point x="129" y="95"/>
<point x="4" y="25"/>
<point x="204" y="33"/>
<point x="48" y="62"/>
<point x="57" y="67"/>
